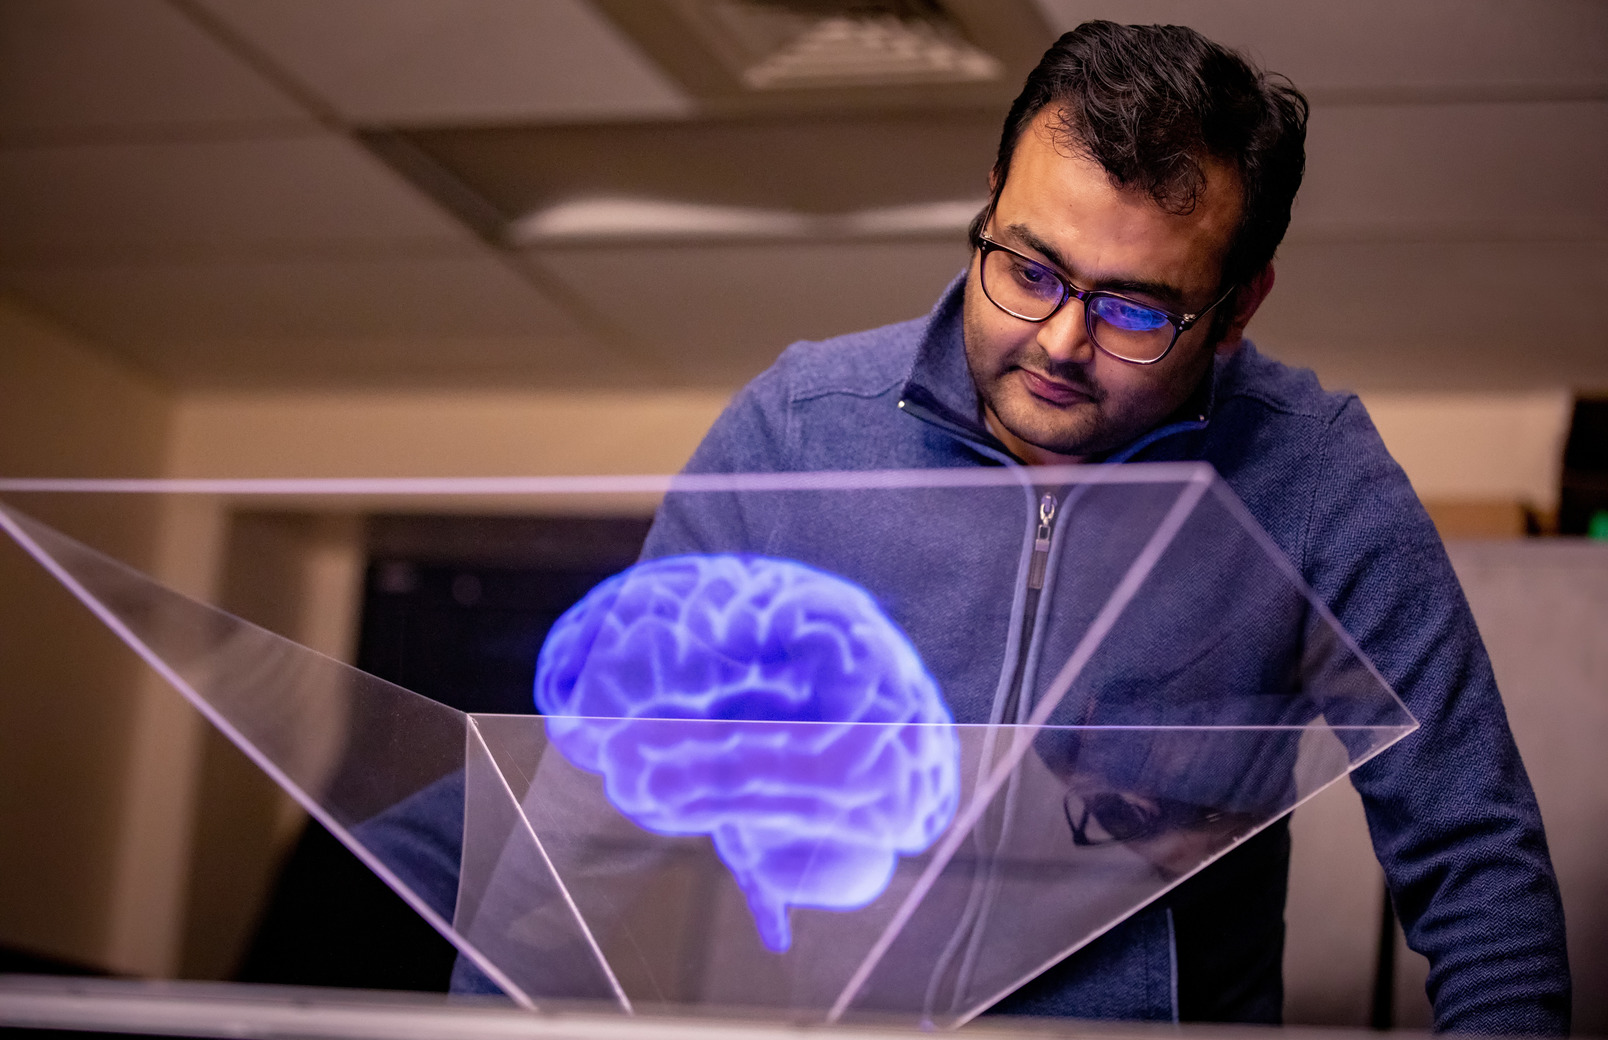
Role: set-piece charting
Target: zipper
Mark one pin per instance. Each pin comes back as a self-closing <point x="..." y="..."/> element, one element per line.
<point x="1036" y="567"/>
<point x="991" y="831"/>
<point x="1041" y="543"/>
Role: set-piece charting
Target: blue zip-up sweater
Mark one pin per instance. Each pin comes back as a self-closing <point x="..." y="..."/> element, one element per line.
<point x="1450" y="810"/>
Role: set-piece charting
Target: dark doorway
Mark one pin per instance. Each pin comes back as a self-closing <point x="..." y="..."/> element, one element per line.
<point x="454" y="608"/>
<point x="1583" y="504"/>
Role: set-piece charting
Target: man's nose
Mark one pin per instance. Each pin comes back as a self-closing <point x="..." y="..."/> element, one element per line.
<point x="1065" y="336"/>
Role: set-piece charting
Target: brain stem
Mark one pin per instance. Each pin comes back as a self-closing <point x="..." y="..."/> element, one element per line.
<point x="770" y="915"/>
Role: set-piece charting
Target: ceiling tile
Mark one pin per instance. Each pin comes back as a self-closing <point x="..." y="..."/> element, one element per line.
<point x="1524" y="169"/>
<point x="720" y="313"/>
<point x="240" y="197"/>
<point x="1322" y="45"/>
<point x="1441" y="315"/>
<point x="424" y="61"/>
<point x="89" y="65"/>
<point x="457" y="319"/>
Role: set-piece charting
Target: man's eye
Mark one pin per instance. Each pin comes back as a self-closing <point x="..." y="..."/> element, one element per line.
<point x="1034" y="277"/>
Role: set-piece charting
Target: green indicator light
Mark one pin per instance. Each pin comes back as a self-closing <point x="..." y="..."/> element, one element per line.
<point x="1598" y="527"/>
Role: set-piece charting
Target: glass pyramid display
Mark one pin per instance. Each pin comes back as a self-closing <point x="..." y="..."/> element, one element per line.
<point x="840" y="743"/>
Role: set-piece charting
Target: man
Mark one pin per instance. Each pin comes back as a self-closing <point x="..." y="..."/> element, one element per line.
<point x="1144" y="180"/>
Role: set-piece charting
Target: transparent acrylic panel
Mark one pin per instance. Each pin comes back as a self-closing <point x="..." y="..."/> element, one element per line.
<point x="839" y="743"/>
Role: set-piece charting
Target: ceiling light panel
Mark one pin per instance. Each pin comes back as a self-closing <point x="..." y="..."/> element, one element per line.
<point x="778" y="172"/>
<point x="605" y="219"/>
<point x="410" y="62"/>
<point x="88" y="67"/>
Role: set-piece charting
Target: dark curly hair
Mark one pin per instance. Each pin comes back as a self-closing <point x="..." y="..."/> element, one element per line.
<point x="1148" y="102"/>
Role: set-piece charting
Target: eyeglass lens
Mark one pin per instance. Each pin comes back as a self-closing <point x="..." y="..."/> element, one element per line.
<point x="1032" y="291"/>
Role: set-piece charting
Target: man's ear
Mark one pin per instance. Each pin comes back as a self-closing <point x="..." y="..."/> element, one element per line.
<point x="1245" y="301"/>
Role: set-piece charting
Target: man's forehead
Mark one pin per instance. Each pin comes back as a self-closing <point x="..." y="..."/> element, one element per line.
<point x="1054" y="130"/>
<point x="1065" y="205"/>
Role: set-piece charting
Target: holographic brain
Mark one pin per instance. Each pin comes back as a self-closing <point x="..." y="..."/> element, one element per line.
<point x="821" y="748"/>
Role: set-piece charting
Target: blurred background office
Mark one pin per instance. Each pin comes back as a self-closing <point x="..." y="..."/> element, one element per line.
<point x="256" y="238"/>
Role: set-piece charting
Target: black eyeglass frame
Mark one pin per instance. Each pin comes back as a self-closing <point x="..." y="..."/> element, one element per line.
<point x="1181" y="323"/>
<point x="1143" y="821"/>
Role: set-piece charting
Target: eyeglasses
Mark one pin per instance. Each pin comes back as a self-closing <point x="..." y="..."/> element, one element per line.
<point x="1108" y="817"/>
<point x="1126" y="329"/>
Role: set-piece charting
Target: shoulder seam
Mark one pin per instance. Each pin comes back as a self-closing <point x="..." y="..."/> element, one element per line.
<point x="851" y="391"/>
<point x="807" y="380"/>
<point x="1312" y="508"/>
<point x="1321" y="468"/>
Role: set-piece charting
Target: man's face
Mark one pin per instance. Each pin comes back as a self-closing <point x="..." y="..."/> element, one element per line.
<point x="1047" y="391"/>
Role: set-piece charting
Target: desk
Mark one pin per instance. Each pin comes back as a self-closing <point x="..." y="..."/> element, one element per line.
<point x="208" y="1009"/>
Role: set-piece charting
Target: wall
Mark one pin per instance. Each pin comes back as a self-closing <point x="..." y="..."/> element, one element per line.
<point x="439" y="434"/>
<point x="69" y="693"/>
<point x="1455" y="447"/>
<point x="1479" y="461"/>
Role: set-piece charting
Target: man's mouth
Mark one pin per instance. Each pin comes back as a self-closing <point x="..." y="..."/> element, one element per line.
<point x="1054" y="391"/>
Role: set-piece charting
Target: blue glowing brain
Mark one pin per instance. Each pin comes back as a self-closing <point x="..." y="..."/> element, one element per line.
<point x="810" y="814"/>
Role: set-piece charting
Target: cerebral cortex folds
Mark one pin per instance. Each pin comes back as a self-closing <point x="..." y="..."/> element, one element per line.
<point x="766" y="704"/>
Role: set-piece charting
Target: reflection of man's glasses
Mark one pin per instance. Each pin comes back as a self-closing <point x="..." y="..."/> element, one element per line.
<point x="1126" y="329"/>
<point x="1106" y="817"/>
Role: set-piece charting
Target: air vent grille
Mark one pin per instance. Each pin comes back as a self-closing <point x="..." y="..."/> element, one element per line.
<point x="777" y="45"/>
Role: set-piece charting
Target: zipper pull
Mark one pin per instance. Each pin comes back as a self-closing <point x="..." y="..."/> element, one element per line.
<point x="1041" y="543"/>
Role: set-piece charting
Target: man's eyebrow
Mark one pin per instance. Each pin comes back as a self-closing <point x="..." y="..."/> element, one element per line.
<point x="1160" y="291"/>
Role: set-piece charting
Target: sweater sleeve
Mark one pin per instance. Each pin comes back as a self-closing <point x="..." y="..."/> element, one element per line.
<point x="1450" y="809"/>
